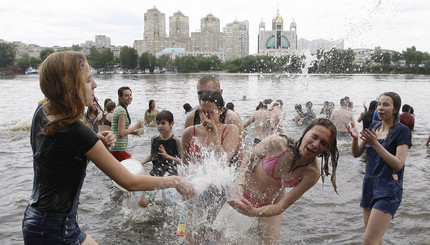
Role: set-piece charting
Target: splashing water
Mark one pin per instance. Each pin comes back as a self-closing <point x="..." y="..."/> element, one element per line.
<point x="215" y="183"/>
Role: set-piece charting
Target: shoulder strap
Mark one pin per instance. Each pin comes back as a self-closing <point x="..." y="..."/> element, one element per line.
<point x="196" y="117"/>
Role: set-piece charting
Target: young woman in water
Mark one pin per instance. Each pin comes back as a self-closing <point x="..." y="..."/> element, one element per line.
<point x="92" y="115"/>
<point x="151" y="113"/>
<point x="62" y="144"/>
<point x="120" y="124"/>
<point x="276" y="163"/>
<point x="209" y="136"/>
<point x="387" y="144"/>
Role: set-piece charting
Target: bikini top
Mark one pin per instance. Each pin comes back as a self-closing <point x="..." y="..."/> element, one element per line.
<point x="194" y="148"/>
<point x="269" y="164"/>
<point x="104" y="121"/>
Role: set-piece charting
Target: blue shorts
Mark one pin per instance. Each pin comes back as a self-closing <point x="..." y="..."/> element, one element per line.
<point x="49" y="228"/>
<point x="382" y="194"/>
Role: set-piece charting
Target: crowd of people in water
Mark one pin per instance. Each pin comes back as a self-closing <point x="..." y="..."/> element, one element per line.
<point x="64" y="138"/>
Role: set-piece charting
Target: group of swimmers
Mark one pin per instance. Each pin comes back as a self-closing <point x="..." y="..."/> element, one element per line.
<point x="63" y="143"/>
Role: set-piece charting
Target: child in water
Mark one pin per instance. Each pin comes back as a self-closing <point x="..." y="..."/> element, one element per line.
<point x="277" y="162"/>
<point x="165" y="153"/>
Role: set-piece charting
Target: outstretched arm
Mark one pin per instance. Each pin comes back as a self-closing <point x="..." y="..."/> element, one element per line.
<point x="357" y="148"/>
<point x="309" y="179"/>
<point x="397" y="161"/>
<point x="100" y="156"/>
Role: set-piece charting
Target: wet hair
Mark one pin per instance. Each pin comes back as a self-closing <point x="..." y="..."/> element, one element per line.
<point x="187" y="108"/>
<point x="230" y="106"/>
<point x="298" y="108"/>
<point x="110" y="106"/>
<point x="120" y="93"/>
<point x="280" y="103"/>
<point x="214" y="97"/>
<point x="372" y="106"/>
<point x="397" y="102"/>
<point x="267" y="101"/>
<point x="260" y="105"/>
<point x="332" y="152"/>
<point x="62" y="83"/>
<point x="149" y="106"/>
<point x="209" y="78"/>
<point x="164" y="115"/>
<point x="412" y="110"/>
<point x="406" y="107"/>
<point x="309" y="104"/>
<point x="343" y="102"/>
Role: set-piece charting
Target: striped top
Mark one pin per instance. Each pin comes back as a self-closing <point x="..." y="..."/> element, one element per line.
<point x="121" y="142"/>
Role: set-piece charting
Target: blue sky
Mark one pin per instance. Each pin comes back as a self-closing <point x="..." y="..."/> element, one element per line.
<point x="390" y="24"/>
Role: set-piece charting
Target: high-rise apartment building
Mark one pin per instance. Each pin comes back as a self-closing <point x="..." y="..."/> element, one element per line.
<point x="179" y="31"/>
<point x="209" y="39"/>
<point x="102" y="41"/>
<point x="155" y="30"/>
<point x="236" y="40"/>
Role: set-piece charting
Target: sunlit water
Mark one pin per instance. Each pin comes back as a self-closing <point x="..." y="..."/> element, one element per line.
<point x="319" y="217"/>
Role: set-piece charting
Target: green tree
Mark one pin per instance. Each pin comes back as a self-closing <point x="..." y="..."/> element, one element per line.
<point x="147" y="61"/>
<point x="76" y="47"/>
<point x="107" y="58"/>
<point x="94" y="58"/>
<point x="128" y="57"/>
<point x="186" y="64"/>
<point x="163" y="61"/>
<point x="45" y="53"/>
<point x="7" y="54"/>
<point x="100" y="60"/>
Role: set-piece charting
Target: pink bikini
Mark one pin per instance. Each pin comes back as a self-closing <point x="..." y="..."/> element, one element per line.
<point x="268" y="165"/>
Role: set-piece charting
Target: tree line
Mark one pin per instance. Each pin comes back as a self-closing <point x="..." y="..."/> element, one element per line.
<point x="324" y="61"/>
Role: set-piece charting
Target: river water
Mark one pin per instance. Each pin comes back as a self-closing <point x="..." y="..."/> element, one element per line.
<point x="319" y="217"/>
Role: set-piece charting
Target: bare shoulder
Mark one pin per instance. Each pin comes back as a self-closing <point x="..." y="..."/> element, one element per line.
<point x="189" y="119"/>
<point x="313" y="171"/>
<point x="232" y="116"/>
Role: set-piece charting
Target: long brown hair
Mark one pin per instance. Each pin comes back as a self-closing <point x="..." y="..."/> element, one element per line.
<point x="332" y="152"/>
<point x="62" y="83"/>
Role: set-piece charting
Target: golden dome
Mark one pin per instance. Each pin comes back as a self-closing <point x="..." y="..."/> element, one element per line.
<point x="278" y="18"/>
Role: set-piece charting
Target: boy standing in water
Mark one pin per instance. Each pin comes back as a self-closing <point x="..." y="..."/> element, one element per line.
<point x="165" y="152"/>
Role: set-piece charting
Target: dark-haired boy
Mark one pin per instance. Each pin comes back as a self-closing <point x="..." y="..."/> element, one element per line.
<point x="165" y="152"/>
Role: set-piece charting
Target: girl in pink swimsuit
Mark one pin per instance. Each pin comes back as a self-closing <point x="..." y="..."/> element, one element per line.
<point x="277" y="163"/>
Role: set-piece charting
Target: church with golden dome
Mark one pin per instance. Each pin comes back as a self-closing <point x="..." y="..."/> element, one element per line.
<point x="277" y="42"/>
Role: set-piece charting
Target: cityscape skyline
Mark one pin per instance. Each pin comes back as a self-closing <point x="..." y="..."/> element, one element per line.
<point x="393" y="25"/>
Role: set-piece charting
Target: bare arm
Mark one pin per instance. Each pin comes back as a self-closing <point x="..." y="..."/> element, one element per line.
<point x="164" y="153"/>
<point x="357" y="148"/>
<point x="309" y="179"/>
<point x="249" y="121"/>
<point x="233" y="118"/>
<point x="190" y="119"/>
<point x="185" y="144"/>
<point x="112" y="168"/>
<point x="428" y="141"/>
<point x="397" y="161"/>
<point x="122" y="131"/>
<point x="146" y="159"/>
<point x="231" y="140"/>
